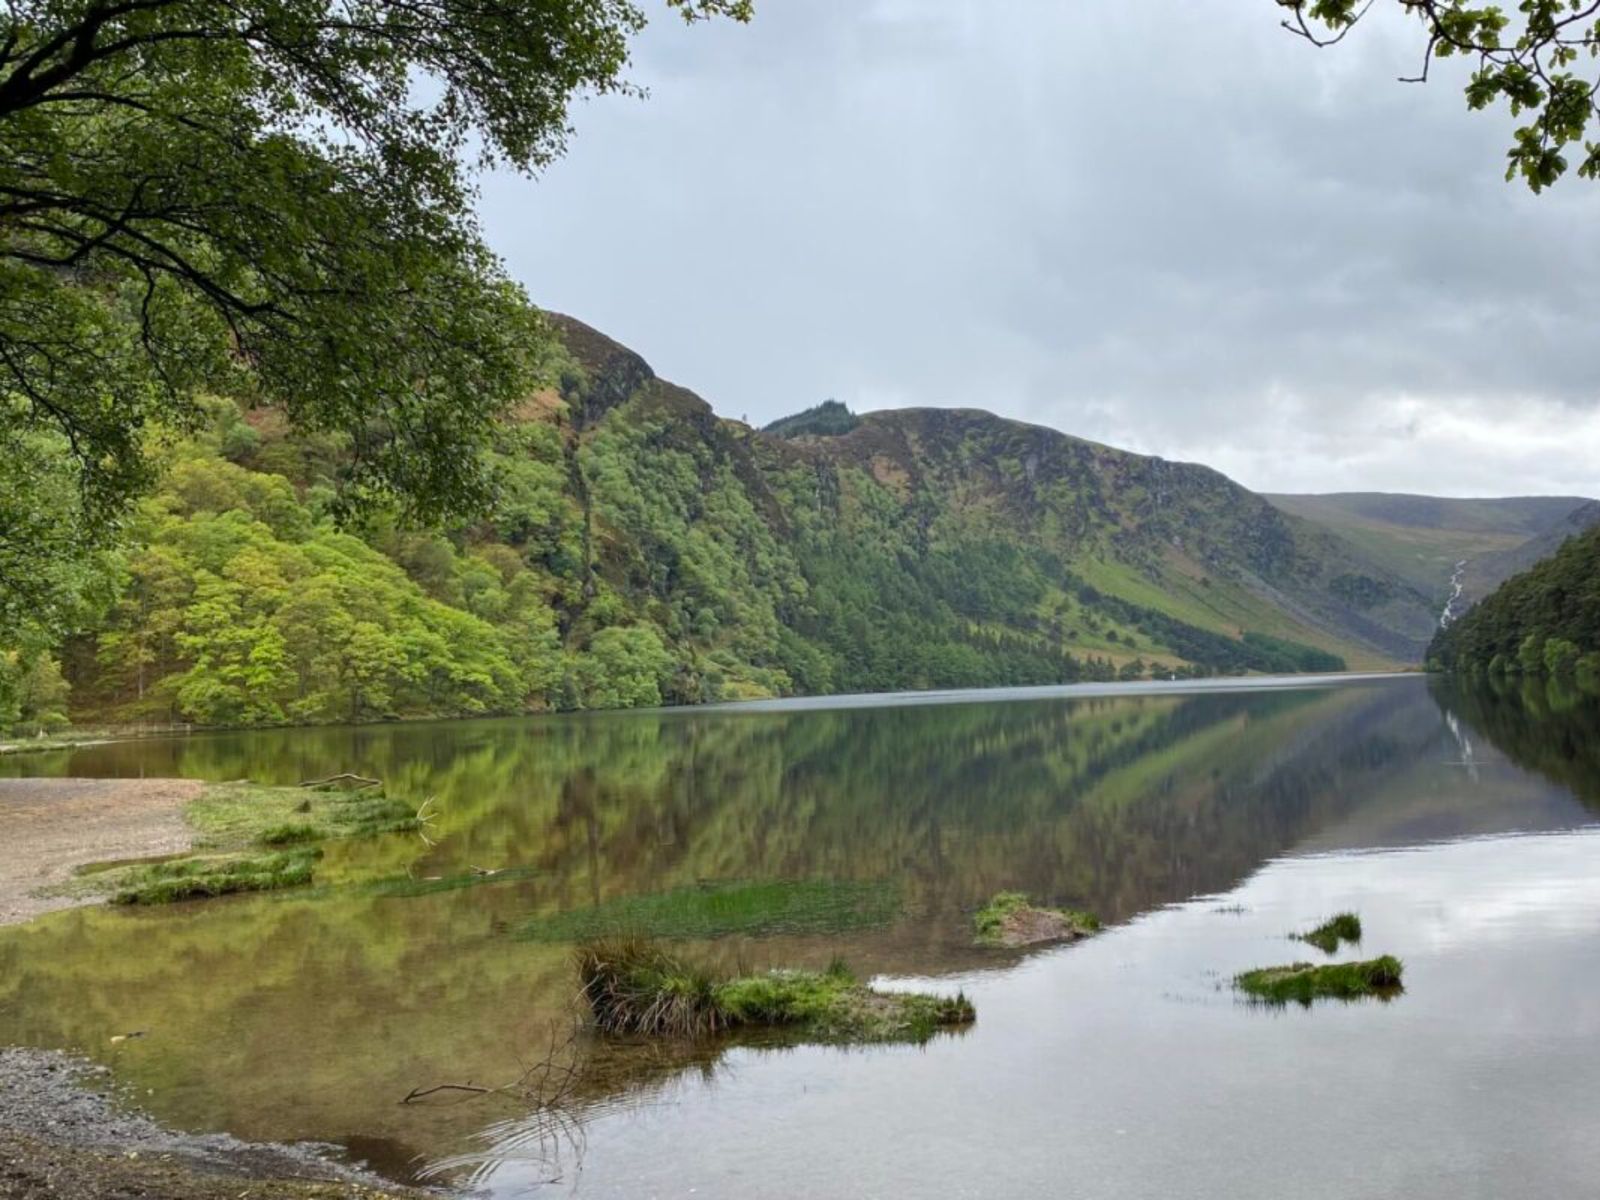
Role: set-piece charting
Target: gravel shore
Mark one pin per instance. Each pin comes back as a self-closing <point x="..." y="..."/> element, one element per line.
<point x="64" y="1136"/>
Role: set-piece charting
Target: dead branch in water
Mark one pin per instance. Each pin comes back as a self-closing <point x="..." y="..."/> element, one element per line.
<point x="425" y="821"/>
<point x="544" y="1084"/>
<point x="361" y="781"/>
<point x="417" y="1093"/>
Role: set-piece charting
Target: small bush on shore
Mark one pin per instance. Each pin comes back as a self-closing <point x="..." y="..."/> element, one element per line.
<point x="1304" y="982"/>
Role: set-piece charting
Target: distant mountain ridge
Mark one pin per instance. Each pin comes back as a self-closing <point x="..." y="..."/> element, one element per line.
<point x="1486" y="573"/>
<point x="1425" y="539"/>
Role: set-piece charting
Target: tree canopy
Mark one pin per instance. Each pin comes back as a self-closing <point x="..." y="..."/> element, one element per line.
<point x="270" y="199"/>
<point x="1540" y="62"/>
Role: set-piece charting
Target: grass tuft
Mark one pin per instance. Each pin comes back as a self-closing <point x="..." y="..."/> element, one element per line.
<point x="288" y="835"/>
<point x="635" y="987"/>
<point x="1345" y="927"/>
<point x="1302" y="982"/>
<point x="1011" y="919"/>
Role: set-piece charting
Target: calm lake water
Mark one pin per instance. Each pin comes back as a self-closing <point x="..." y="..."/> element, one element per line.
<point x="1204" y="824"/>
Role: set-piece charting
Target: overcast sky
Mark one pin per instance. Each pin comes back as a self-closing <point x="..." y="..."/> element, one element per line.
<point x="1166" y="225"/>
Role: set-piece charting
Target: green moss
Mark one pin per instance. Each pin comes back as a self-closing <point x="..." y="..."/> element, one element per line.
<point x="1344" y="927"/>
<point x="1011" y="919"/>
<point x="1304" y="982"/>
<point x="196" y="878"/>
<point x="753" y="909"/>
<point x="634" y="987"/>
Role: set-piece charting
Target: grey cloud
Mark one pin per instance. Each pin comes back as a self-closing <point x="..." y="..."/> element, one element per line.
<point x="1169" y="226"/>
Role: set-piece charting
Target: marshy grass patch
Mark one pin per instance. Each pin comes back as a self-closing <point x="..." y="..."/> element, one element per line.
<point x="636" y="987"/>
<point x="236" y="815"/>
<point x="1302" y="982"/>
<point x="1011" y="919"/>
<point x="1343" y="927"/>
<point x="203" y="877"/>
<point x="708" y="911"/>
<point x="250" y="838"/>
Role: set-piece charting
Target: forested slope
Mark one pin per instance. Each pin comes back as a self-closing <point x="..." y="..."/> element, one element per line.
<point x="642" y="550"/>
<point x="1545" y="621"/>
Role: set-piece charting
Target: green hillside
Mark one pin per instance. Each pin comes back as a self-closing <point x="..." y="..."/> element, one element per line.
<point x="1543" y="622"/>
<point x="642" y="550"/>
<point x="1421" y="539"/>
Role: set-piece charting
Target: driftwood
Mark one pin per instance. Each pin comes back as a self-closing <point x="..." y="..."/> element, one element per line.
<point x="361" y="781"/>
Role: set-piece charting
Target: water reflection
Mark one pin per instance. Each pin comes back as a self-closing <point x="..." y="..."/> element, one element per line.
<point x="310" y="1016"/>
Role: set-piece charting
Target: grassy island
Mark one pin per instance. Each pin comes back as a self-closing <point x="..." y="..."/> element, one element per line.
<point x="1304" y="982"/>
<point x="634" y="987"/>
<point x="1011" y="920"/>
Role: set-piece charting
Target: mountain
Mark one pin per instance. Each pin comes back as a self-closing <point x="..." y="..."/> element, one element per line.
<point x="644" y="550"/>
<point x="1422" y="539"/>
<point x="1023" y="530"/>
<point x="1544" y="621"/>
<point x="1485" y="573"/>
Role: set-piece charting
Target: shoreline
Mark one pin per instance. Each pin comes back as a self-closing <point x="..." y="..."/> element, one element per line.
<point x="64" y="1132"/>
<point x="912" y="697"/>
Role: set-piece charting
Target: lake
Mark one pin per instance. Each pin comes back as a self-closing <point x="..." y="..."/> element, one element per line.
<point x="1204" y="824"/>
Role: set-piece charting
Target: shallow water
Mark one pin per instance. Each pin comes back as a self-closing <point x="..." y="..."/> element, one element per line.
<point x="1204" y="825"/>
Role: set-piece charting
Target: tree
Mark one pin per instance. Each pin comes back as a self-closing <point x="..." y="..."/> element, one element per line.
<point x="1526" y="61"/>
<point x="273" y="199"/>
<point x="1560" y="658"/>
<point x="623" y="668"/>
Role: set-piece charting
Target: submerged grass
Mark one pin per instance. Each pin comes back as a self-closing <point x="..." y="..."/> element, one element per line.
<point x="1344" y="927"/>
<point x="1011" y="919"/>
<point x="635" y="987"/>
<point x="405" y="885"/>
<point x="719" y="910"/>
<point x="1303" y="982"/>
<point x="233" y="815"/>
<point x="196" y="878"/>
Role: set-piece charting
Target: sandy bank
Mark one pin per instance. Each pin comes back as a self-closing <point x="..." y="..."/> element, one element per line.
<point x="49" y="827"/>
